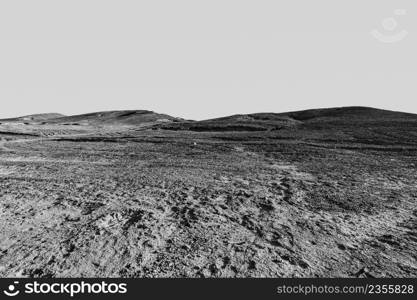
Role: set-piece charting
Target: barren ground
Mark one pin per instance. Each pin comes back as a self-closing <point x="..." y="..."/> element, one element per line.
<point x="125" y="201"/>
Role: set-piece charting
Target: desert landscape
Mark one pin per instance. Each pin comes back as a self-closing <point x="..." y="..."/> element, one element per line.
<point x="316" y="193"/>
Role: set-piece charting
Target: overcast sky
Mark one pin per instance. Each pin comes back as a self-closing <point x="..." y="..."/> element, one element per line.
<point x="201" y="59"/>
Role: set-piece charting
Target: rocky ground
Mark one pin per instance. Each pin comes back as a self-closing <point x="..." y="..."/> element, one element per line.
<point x="133" y="201"/>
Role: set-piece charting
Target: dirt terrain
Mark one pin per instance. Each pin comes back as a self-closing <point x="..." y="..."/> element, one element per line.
<point x="322" y="193"/>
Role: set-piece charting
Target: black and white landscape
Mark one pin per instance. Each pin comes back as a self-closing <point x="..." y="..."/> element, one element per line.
<point x="316" y="193"/>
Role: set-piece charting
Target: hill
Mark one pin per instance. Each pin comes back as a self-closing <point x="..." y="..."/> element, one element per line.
<point x="35" y="117"/>
<point x="314" y="118"/>
<point x="249" y="122"/>
<point x="123" y="117"/>
<point x="346" y="112"/>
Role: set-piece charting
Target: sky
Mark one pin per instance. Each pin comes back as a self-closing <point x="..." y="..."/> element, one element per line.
<point x="206" y="59"/>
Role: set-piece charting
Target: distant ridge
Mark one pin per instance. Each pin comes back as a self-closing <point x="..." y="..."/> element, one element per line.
<point x="346" y="112"/>
<point x="339" y="116"/>
<point x="240" y="122"/>
<point x="35" y="117"/>
<point x="122" y="117"/>
<point x="119" y="117"/>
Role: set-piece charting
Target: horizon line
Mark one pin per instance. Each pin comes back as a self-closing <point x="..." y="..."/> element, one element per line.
<point x="217" y="117"/>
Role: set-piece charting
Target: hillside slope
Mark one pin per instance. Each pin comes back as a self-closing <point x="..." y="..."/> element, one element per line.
<point x="123" y="117"/>
<point x="347" y="113"/>
<point x="315" y="118"/>
<point x="34" y="117"/>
